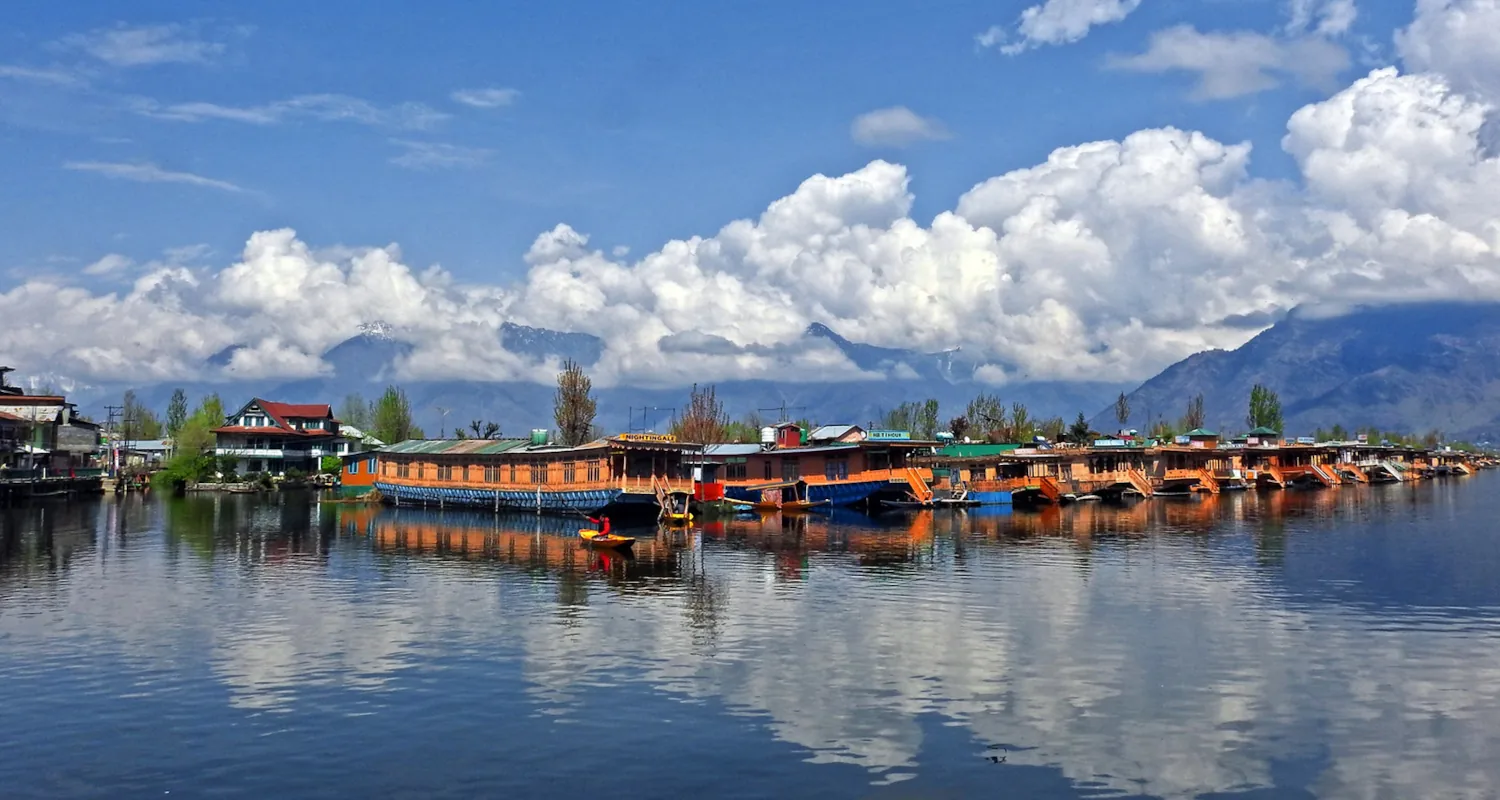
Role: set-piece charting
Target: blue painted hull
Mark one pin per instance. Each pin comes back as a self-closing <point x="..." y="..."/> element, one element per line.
<point x="834" y="494"/>
<point x="990" y="498"/>
<point x="584" y="502"/>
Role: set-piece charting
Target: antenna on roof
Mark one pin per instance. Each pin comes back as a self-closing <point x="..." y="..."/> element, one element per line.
<point x="783" y="408"/>
<point x="645" y="424"/>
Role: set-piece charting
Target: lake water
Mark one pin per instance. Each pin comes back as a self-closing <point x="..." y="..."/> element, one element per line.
<point x="1338" y="643"/>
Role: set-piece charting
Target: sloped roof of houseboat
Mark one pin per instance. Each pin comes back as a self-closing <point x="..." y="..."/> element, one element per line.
<point x="479" y="447"/>
<point x="831" y="432"/>
<point x="731" y="449"/>
<point x="822" y="448"/>
<point x="1201" y="432"/>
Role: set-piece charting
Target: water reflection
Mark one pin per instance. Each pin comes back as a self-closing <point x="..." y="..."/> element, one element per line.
<point x="1334" y="642"/>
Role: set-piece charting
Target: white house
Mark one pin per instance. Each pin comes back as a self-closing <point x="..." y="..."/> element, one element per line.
<point x="265" y="436"/>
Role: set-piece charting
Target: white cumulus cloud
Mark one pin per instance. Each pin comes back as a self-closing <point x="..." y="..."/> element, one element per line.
<point x="1457" y="38"/>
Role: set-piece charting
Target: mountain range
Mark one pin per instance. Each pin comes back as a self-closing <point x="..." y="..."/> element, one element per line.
<point x="1411" y="368"/>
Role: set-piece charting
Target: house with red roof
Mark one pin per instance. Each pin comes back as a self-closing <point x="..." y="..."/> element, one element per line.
<point x="266" y="436"/>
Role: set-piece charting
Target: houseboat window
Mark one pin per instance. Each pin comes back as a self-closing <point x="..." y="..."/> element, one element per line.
<point x="539" y="473"/>
<point x="570" y="472"/>
<point x="735" y="472"/>
<point x="768" y="469"/>
<point x="403" y="470"/>
<point x="593" y="471"/>
<point x="353" y="467"/>
<point x="445" y="472"/>
<point x="370" y="466"/>
<point x="836" y="469"/>
<point x="512" y="473"/>
<point x="791" y="469"/>
<point x="491" y="474"/>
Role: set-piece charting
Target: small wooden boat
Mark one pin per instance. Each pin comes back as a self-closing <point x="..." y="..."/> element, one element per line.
<point x="783" y="496"/>
<point x="598" y="539"/>
<point x="677" y="518"/>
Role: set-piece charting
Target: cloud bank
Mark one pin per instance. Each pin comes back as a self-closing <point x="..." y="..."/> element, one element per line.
<point x="1108" y="261"/>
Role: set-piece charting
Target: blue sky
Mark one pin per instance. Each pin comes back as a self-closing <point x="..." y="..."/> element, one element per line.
<point x="632" y="122"/>
<point x="1066" y="189"/>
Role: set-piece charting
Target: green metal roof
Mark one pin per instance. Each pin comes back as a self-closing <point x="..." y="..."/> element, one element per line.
<point x="1203" y="432"/>
<point x="1263" y="431"/>
<point x="976" y="450"/>
<point x="480" y="447"/>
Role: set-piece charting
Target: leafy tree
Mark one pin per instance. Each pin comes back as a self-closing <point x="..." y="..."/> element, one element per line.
<point x="1265" y="409"/>
<point x="1122" y="410"/>
<point x="574" y="407"/>
<point x="921" y="419"/>
<point x="391" y="419"/>
<point x="139" y="421"/>
<point x="1022" y="426"/>
<point x="1053" y="429"/>
<point x="1339" y="434"/>
<point x="703" y="419"/>
<point x="1079" y="432"/>
<point x="331" y="465"/>
<point x="196" y="435"/>
<point x="1195" y="416"/>
<point x="177" y="412"/>
<point x="357" y="411"/>
<point x="959" y="427"/>
<point x="987" y="414"/>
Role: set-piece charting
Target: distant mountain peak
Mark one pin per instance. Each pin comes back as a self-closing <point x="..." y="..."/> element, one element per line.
<point x="378" y="329"/>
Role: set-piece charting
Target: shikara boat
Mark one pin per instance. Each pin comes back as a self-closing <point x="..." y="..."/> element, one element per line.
<point x="783" y="496"/>
<point x="611" y="540"/>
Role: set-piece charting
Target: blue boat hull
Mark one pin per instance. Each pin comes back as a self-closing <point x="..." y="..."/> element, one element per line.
<point x="583" y="502"/>
<point x="832" y="494"/>
<point x="990" y="498"/>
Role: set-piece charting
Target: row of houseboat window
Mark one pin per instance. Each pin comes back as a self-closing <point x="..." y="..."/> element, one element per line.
<point x="508" y="473"/>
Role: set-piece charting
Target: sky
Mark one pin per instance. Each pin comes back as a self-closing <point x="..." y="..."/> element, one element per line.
<point x="1070" y="189"/>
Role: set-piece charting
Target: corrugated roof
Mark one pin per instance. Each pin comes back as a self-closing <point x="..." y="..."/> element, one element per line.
<point x="826" y="448"/>
<point x="1201" y="432"/>
<point x="976" y="450"/>
<point x="731" y="449"/>
<point x="831" y="431"/>
<point x="478" y="447"/>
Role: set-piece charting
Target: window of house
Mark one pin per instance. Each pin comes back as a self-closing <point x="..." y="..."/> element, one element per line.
<point x="594" y="471"/>
<point x="836" y="469"/>
<point x="570" y="472"/>
<point x="353" y="468"/>
<point x="445" y="472"/>
<point x="736" y="472"/>
<point x="512" y="473"/>
<point x="791" y="469"/>
<point x="491" y="474"/>
<point x="370" y="465"/>
<point x="539" y="473"/>
<point x="769" y="474"/>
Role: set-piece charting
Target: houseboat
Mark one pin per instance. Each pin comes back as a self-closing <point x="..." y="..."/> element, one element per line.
<point x="840" y="465"/>
<point x="630" y="475"/>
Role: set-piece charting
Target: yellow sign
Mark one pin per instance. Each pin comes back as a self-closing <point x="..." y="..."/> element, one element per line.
<point x="653" y="438"/>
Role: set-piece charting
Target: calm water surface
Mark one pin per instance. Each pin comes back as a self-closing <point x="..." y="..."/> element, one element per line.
<point x="1341" y="643"/>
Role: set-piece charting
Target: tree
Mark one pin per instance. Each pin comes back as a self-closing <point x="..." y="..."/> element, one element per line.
<point x="1122" y="410"/>
<point x="1053" y="428"/>
<point x="987" y="414"/>
<point x="1078" y="432"/>
<point x="139" y="421"/>
<point x="1022" y="426"/>
<point x="1339" y="434"/>
<point x="197" y="433"/>
<point x="391" y="419"/>
<point x="1265" y="409"/>
<point x="921" y="419"/>
<point x="479" y="429"/>
<point x="703" y="419"/>
<point x="177" y="412"/>
<point x="574" y="407"/>
<point x="959" y="427"/>
<point x="357" y="411"/>
<point x="1195" y="417"/>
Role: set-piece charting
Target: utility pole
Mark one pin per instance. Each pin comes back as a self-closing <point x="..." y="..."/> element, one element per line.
<point x="443" y="426"/>
<point x="114" y="443"/>
<point x="645" y="423"/>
